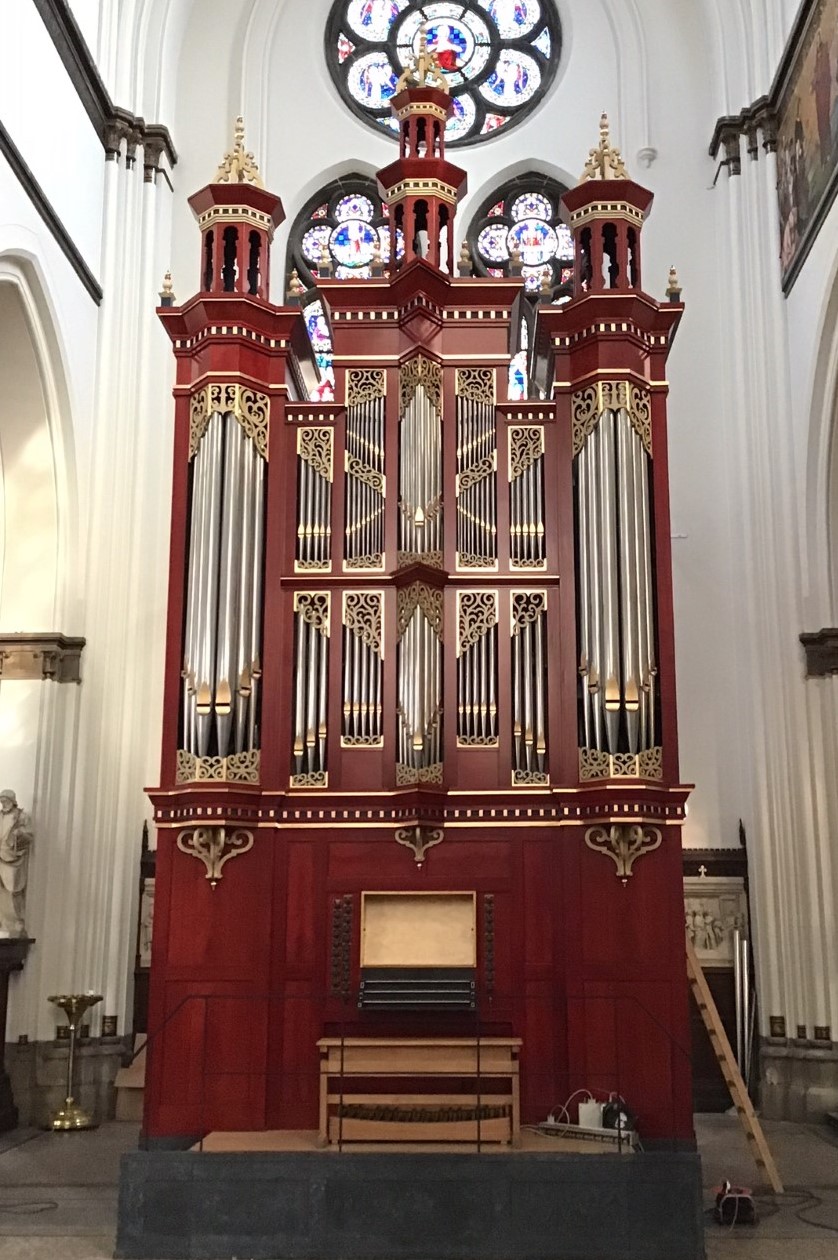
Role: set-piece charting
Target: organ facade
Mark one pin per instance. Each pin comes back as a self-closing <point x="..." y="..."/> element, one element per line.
<point x="420" y="646"/>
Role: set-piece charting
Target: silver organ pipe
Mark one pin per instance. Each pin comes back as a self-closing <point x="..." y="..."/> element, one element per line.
<point x="207" y="608"/>
<point x="311" y="671"/>
<point x="223" y="624"/>
<point x="255" y="635"/>
<point x="477" y="459"/>
<point x="228" y="609"/>
<point x="420" y="463"/>
<point x="611" y="698"/>
<point x="646" y="612"/>
<point x="477" y="654"/>
<point x="315" y="464"/>
<point x="419" y="684"/>
<point x="364" y="467"/>
<point x="616" y="606"/>
<point x="630" y="580"/>
<point x="529" y="688"/>
<point x="526" y="497"/>
<point x="363" y="667"/>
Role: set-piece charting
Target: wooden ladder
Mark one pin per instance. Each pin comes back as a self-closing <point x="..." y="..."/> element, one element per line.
<point x="757" y="1144"/>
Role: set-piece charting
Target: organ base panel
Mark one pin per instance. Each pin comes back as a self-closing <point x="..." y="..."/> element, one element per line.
<point x="419" y="810"/>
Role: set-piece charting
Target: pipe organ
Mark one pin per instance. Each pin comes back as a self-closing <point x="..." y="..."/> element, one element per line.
<point x="420" y="644"/>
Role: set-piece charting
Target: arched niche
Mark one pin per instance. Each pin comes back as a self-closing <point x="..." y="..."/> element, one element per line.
<point x="34" y="515"/>
<point x="821" y="485"/>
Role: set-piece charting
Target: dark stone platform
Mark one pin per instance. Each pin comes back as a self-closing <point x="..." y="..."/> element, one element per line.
<point x="422" y="1206"/>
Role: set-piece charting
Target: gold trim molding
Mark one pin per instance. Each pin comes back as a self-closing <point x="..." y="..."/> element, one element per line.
<point x="214" y="846"/>
<point x="624" y="843"/>
<point x="40" y="657"/>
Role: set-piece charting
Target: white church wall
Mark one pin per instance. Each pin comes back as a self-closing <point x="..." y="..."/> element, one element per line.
<point x="50" y="127"/>
<point x="86" y="753"/>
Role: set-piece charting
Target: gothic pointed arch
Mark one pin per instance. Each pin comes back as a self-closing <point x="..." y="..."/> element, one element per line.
<point x="37" y="503"/>
<point x="518" y="224"/>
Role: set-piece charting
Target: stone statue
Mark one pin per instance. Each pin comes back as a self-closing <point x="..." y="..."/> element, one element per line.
<point x="15" y="842"/>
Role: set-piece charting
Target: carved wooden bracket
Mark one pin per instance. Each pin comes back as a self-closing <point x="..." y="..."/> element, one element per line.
<point x="419" y="839"/>
<point x="214" y="846"/>
<point x="624" y="843"/>
<point x="821" y="652"/>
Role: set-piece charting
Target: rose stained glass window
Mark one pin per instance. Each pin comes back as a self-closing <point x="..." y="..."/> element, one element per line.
<point x="499" y="57"/>
<point x="523" y="219"/>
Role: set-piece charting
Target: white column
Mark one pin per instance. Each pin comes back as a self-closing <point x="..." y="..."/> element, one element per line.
<point x="91" y="776"/>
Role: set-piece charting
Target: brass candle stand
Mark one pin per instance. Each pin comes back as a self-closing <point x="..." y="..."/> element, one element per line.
<point x="75" y="1006"/>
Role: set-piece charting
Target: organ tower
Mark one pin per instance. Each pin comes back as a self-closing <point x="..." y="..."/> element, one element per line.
<point x="419" y="774"/>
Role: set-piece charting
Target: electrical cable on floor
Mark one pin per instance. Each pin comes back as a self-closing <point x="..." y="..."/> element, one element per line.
<point x="806" y="1200"/>
<point x="31" y="1208"/>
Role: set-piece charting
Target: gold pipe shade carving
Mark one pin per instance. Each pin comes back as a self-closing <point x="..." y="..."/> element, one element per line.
<point x="214" y="846"/>
<point x="250" y="407"/>
<point x="624" y="843"/>
<point x="236" y="768"/>
<point x="588" y="404"/>
<point x="597" y="764"/>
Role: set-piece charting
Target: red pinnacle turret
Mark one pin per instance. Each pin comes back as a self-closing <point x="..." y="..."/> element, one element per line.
<point x="421" y="188"/>
<point x="237" y="218"/>
<point x="605" y="213"/>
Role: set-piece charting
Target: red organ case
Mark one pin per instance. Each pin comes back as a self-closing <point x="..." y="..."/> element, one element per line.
<point x="420" y="640"/>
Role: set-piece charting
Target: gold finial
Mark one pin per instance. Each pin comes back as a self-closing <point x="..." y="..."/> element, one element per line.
<point x="239" y="166"/>
<point x="324" y="267"/>
<point x="673" y="291"/>
<point x="465" y="265"/>
<point x="606" y="162"/>
<point x="423" y="70"/>
<point x="546" y="282"/>
<point x="167" y="295"/>
<point x="515" y="262"/>
<point x="296" y="288"/>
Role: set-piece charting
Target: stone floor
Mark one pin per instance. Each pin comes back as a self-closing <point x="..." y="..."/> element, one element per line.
<point x="58" y="1192"/>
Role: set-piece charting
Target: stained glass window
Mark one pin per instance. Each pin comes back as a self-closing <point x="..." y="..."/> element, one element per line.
<point x="523" y="218"/>
<point x="499" y="57"/>
<point x="349" y="222"/>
